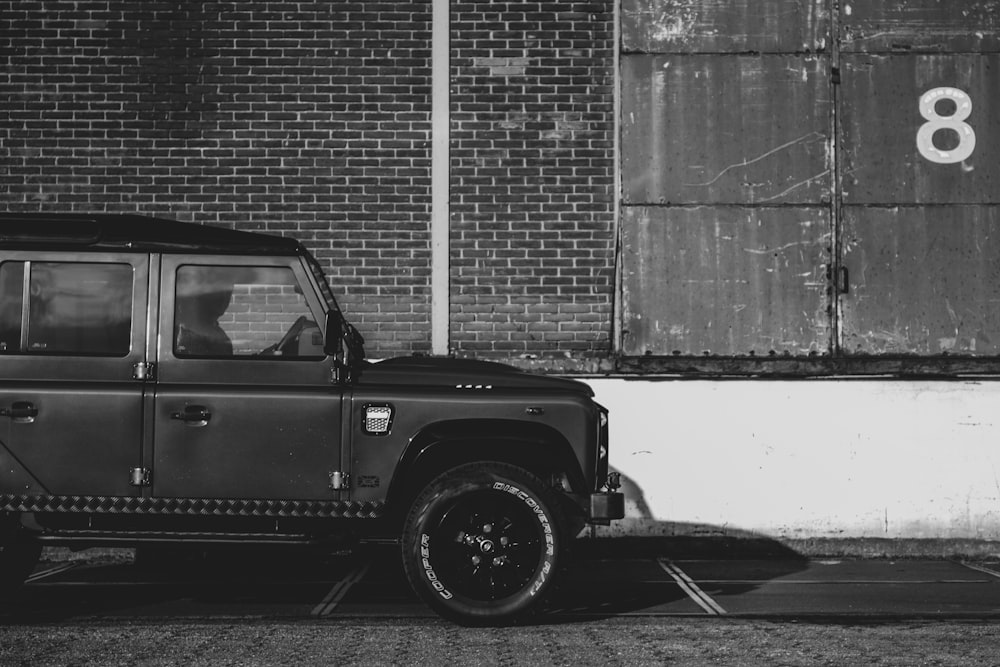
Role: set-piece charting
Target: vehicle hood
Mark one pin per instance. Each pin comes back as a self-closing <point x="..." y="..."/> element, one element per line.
<point x="462" y="373"/>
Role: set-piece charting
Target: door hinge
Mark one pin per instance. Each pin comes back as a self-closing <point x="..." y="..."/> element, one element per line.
<point x="144" y="372"/>
<point x="339" y="480"/>
<point x="139" y="477"/>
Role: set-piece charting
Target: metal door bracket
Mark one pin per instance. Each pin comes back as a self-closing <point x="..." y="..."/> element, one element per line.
<point x="144" y="372"/>
<point x="339" y="480"/>
<point x="139" y="477"/>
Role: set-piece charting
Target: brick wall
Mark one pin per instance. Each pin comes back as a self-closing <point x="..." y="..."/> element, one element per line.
<point x="306" y="118"/>
<point x="313" y="119"/>
<point x="532" y="177"/>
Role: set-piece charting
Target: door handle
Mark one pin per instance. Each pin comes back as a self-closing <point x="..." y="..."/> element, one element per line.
<point x="193" y="415"/>
<point x="21" y="412"/>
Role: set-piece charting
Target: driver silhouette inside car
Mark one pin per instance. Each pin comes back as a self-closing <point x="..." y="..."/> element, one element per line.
<point x="198" y="332"/>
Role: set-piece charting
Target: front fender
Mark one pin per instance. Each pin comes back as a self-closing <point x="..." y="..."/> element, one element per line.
<point x="447" y="444"/>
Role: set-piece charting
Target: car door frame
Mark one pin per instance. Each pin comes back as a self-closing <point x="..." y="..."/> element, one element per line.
<point x="47" y="376"/>
<point x="312" y="377"/>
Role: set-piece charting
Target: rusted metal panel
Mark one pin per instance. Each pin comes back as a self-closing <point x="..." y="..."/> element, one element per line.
<point x="920" y="25"/>
<point x="923" y="280"/>
<point x="725" y="280"/>
<point x="817" y="366"/>
<point x="726" y="129"/>
<point x="894" y="104"/>
<point x="728" y="26"/>
<point x="727" y="123"/>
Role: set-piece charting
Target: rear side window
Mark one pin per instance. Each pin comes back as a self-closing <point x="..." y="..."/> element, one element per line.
<point x="69" y="308"/>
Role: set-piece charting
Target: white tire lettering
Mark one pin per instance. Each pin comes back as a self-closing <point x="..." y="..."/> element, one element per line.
<point x="425" y="552"/>
<point x="550" y="547"/>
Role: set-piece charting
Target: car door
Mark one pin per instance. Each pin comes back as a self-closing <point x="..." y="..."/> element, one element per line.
<point x="72" y="337"/>
<point x="245" y="404"/>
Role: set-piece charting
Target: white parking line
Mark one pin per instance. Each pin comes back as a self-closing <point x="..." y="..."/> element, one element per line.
<point x="37" y="576"/>
<point x="984" y="570"/>
<point x="687" y="584"/>
<point x="337" y="593"/>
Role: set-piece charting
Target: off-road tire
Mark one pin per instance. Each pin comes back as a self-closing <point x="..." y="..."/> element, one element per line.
<point x="482" y="543"/>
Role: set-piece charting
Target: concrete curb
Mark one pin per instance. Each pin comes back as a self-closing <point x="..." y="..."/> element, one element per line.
<point x="766" y="548"/>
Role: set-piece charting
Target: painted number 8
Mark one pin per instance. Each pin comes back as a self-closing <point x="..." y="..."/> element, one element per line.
<point x="955" y="122"/>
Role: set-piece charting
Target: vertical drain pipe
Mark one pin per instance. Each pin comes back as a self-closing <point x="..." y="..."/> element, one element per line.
<point x="440" y="174"/>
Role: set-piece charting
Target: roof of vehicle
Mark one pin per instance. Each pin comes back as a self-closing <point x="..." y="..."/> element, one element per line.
<point x="110" y="232"/>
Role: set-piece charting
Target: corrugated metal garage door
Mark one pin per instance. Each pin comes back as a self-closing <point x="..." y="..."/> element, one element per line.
<point x="921" y="229"/>
<point x="747" y="231"/>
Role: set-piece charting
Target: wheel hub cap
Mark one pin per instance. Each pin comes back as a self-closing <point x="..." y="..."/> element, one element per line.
<point x="495" y="547"/>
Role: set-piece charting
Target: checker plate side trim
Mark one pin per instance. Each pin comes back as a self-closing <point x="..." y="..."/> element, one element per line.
<point x="329" y="509"/>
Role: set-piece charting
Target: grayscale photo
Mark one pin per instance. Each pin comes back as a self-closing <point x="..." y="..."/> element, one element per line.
<point x="493" y="332"/>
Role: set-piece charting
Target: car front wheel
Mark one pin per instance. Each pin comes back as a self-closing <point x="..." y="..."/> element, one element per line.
<point x="481" y="543"/>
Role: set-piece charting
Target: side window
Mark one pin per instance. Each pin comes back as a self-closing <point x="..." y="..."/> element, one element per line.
<point x="73" y="308"/>
<point x="243" y="311"/>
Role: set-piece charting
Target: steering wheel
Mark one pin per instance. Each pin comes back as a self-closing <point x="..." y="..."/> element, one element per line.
<point x="293" y="332"/>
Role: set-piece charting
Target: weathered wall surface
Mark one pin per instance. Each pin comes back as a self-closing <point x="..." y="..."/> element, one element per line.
<point x="704" y="279"/>
<point x="532" y="174"/>
<point x="313" y="119"/>
<point x="806" y="458"/>
<point x="727" y="174"/>
<point x="869" y="124"/>
<point x="818" y="180"/>
<point x="307" y="118"/>
<point x="919" y="130"/>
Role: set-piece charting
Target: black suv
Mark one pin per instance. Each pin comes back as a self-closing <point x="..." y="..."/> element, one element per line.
<point x="164" y="381"/>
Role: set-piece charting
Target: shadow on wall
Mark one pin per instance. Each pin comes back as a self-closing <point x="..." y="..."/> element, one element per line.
<point x="640" y="523"/>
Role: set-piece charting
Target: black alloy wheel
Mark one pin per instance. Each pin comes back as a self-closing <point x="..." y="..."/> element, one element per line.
<point x="482" y="543"/>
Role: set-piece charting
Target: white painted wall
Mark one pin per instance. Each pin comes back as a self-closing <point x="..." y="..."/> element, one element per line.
<point x="807" y="458"/>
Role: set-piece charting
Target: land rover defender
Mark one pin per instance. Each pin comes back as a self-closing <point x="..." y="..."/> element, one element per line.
<point x="166" y="381"/>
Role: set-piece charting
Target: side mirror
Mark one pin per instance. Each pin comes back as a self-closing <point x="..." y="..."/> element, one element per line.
<point x="333" y="335"/>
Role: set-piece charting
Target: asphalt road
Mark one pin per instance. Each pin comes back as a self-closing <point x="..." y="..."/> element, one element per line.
<point x="633" y="607"/>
